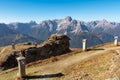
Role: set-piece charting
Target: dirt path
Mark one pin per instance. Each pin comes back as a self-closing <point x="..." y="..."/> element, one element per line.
<point x="2" y="50"/>
<point x="60" y="65"/>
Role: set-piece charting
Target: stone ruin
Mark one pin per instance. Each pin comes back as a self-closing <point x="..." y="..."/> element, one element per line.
<point x="57" y="44"/>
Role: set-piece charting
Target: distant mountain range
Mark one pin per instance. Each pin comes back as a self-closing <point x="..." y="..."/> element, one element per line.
<point x="96" y="32"/>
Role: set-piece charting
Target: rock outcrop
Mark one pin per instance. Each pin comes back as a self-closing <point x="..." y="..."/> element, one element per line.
<point x="57" y="44"/>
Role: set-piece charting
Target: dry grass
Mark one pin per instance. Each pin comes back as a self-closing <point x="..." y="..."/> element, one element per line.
<point x="34" y="67"/>
<point x="106" y="45"/>
<point x="96" y="67"/>
<point x="8" y="50"/>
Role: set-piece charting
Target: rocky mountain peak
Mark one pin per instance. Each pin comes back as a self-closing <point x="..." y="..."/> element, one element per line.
<point x="68" y="18"/>
<point x="104" y="20"/>
<point x="67" y="26"/>
<point x="33" y="23"/>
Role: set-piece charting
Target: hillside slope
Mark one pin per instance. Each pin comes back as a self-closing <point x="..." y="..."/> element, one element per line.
<point x="98" y="63"/>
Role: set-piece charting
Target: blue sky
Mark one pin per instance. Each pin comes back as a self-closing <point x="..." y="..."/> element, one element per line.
<point x="39" y="10"/>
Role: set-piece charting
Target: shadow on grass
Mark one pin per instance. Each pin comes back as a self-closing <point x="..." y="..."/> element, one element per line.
<point x="95" y="49"/>
<point x="44" y="76"/>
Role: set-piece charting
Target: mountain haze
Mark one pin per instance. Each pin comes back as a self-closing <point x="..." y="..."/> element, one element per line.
<point x="8" y="35"/>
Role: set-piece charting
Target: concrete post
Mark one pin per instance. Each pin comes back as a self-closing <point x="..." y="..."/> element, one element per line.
<point x="21" y="66"/>
<point x="35" y="44"/>
<point x="84" y="44"/>
<point x="116" y="41"/>
<point x="13" y="46"/>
